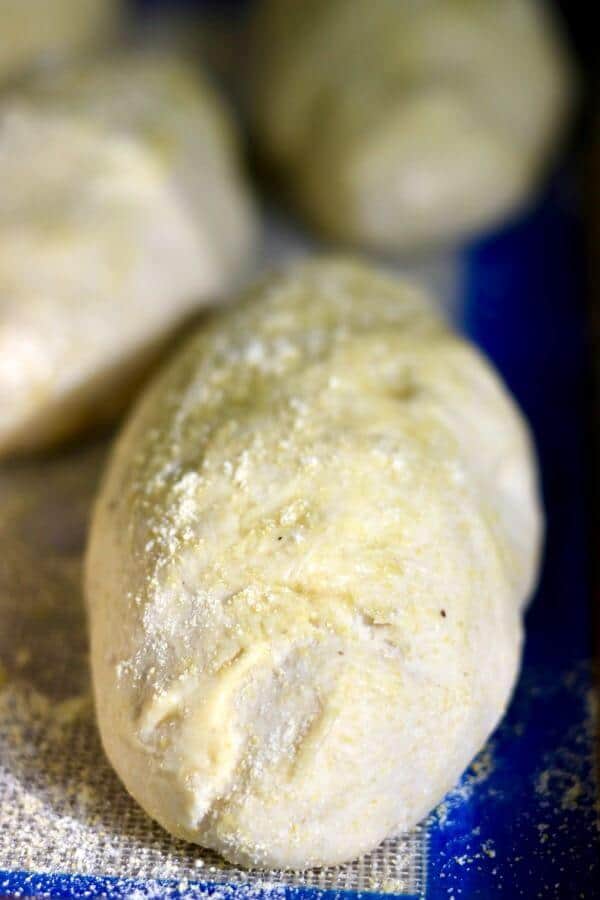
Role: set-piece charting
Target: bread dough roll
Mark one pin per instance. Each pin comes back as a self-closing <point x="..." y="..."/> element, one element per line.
<point x="394" y="124"/>
<point x="307" y="568"/>
<point x="123" y="210"/>
<point x="39" y="31"/>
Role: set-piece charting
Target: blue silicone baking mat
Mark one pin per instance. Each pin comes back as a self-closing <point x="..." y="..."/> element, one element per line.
<point x="523" y="822"/>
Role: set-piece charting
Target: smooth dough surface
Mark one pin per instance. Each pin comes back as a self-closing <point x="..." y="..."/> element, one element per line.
<point x="394" y="124"/>
<point x="307" y="569"/>
<point x="123" y="210"/>
<point x="34" y="32"/>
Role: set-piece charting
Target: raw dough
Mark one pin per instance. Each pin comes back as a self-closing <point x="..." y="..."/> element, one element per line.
<point x="307" y="569"/>
<point x="394" y="124"/>
<point x="123" y="210"/>
<point x="39" y="31"/>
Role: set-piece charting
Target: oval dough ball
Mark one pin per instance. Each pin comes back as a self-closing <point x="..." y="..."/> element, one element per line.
<point x="123" y="210"/>
<point x="394" y="124"/>
<point x="306" y="572"/>
<point x="39" y="31"/>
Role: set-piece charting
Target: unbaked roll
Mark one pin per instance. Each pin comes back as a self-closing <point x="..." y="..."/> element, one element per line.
<point x="35" y="32"/>
<point x="396" y="123"/>
<point x="122" y="210"/>
<point x="307" y="570"/>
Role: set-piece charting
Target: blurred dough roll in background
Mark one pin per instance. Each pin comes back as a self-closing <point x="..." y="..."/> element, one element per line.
<point x="307" y="570"/>
<point x="36" y="32"/>
<point x="394" y="124"/>
<point x="123" y="209"/>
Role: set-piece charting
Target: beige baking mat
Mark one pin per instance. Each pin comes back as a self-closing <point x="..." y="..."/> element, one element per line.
<point x="62" y="809"/>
